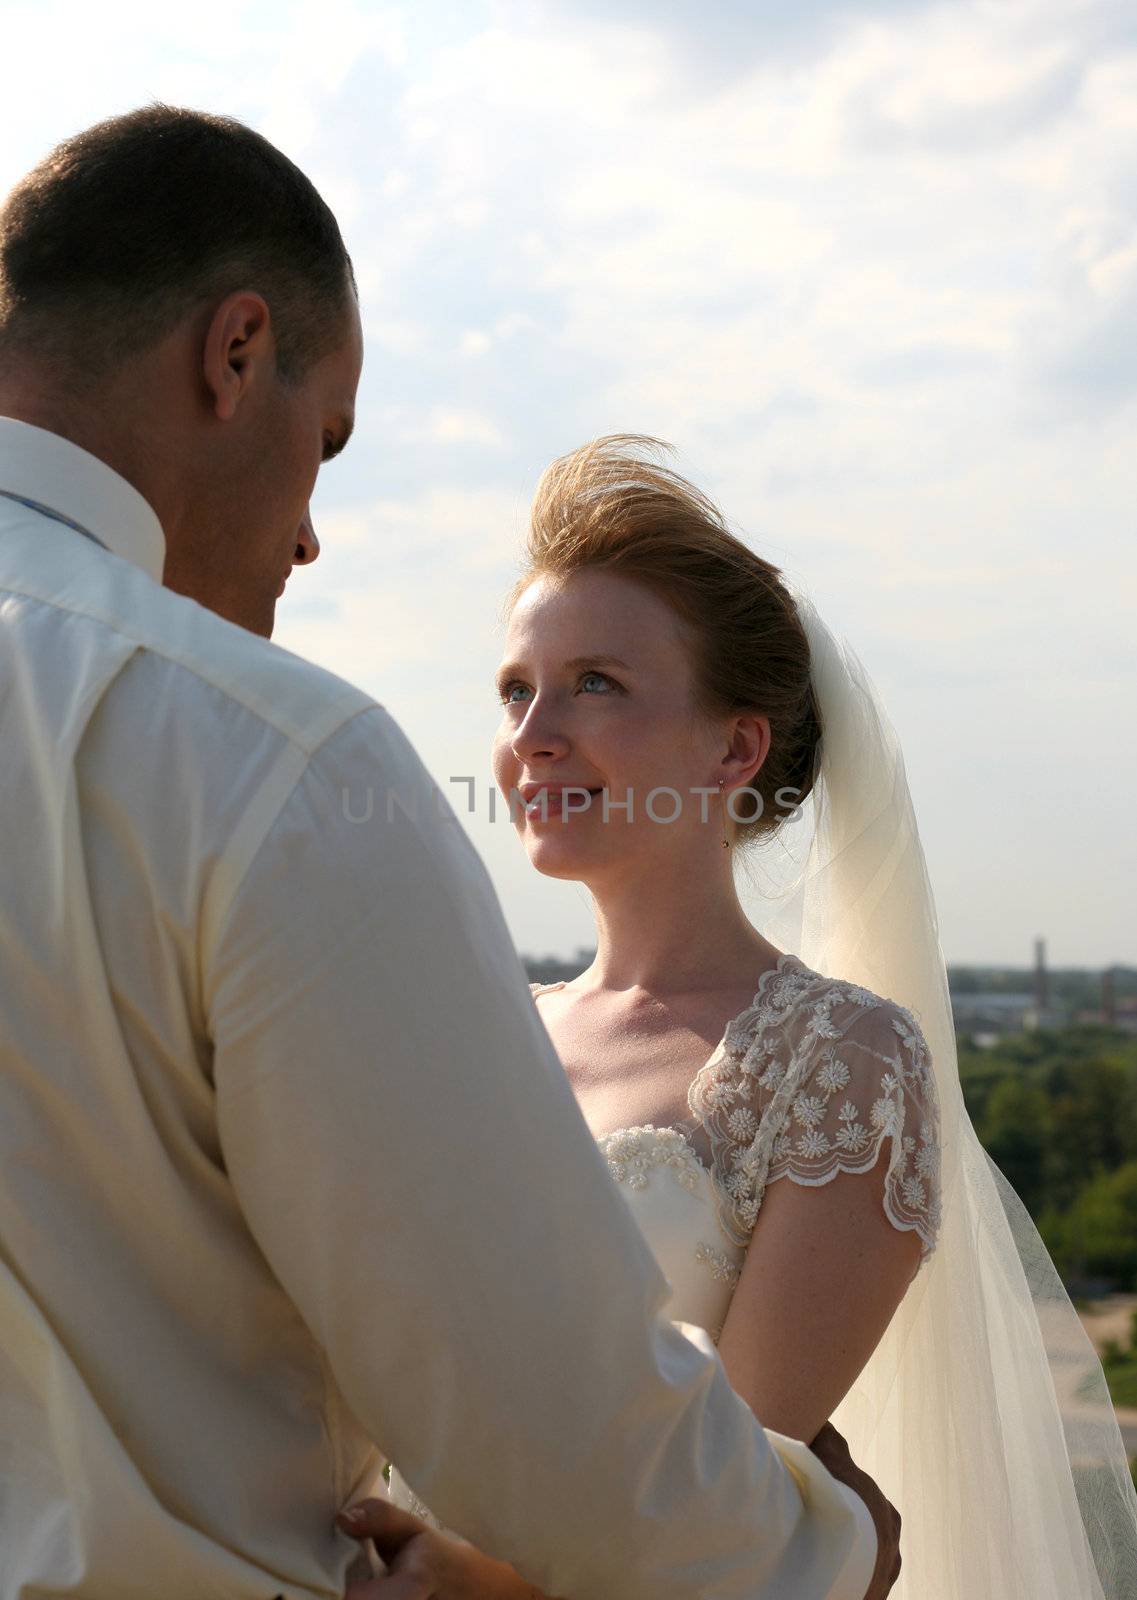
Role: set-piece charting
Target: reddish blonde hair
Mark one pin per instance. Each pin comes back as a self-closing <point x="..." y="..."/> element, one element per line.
<point x="609" y="505"/>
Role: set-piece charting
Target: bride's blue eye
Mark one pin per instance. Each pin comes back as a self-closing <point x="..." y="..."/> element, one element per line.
<point x="505" y="693"/>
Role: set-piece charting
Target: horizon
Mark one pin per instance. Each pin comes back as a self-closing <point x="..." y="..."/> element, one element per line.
<point x="952" y="965"/>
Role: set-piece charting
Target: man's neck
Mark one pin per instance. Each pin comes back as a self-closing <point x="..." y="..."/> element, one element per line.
<point x="98" y="422"/>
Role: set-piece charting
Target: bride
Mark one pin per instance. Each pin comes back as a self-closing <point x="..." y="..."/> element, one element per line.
<point x="786" y="1123"/>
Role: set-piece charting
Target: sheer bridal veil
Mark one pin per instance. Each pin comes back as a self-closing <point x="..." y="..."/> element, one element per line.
<point x="983" y="1413"/>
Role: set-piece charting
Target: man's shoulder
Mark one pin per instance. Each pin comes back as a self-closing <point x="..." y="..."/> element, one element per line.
<point x="169" y="645"/>
<point x="301" y="700"/>
<point x="219" y="662"/>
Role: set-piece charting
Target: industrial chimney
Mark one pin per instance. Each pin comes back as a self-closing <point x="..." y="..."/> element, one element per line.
<point x="1041" y="994"/>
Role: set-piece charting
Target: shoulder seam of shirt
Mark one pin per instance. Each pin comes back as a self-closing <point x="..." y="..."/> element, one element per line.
<point x="333" y="716"/>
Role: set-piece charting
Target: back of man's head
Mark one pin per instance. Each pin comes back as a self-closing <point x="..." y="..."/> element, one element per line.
<point x="118" y="233"/>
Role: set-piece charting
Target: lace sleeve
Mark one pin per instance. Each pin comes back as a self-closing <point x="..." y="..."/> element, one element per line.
<point x="819" y="1088"/>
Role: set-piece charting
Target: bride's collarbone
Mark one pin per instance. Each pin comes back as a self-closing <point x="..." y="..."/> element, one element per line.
<point x="632" y="1064"/>
<point x="590" y="1022"/>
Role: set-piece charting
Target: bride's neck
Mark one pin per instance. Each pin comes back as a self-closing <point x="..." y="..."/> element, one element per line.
<point x="668" y="935"/>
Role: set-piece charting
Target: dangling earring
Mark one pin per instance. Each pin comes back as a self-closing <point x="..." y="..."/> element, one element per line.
<point x="725" y="840"/>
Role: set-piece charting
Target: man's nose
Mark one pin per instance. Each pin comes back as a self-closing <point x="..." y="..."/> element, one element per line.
<point x="307" y="544"/>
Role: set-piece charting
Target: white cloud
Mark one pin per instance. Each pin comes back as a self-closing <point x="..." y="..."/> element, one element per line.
<point x="450" y="426"/>
<point x="871" y="265"/>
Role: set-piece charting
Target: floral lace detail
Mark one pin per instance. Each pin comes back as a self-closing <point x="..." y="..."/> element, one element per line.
<point x="810" y="1081"/>
<point x="723" y="1269"/>
<point x="632" y="1154"/>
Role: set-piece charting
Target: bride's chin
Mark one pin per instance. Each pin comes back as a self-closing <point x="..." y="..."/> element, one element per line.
<point x="557" y="858"/>
<point x="553" y="862"/>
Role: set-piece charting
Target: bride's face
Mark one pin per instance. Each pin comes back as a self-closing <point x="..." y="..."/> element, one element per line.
<point x="597" y="690"/>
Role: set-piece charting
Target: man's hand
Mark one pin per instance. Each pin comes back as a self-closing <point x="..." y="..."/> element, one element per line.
<point x="425" y="1565"/>
<point x="833" y="1453"/>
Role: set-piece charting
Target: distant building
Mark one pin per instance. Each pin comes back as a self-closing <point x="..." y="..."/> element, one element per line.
<point x="1116" y="1011"/>
<point x="989" y="1016"/>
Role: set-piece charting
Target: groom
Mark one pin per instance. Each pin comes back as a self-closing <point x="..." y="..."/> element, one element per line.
<point x="289" y="1170"/>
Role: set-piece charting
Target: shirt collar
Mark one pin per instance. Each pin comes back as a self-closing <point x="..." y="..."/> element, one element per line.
<point x="42" y="466"/>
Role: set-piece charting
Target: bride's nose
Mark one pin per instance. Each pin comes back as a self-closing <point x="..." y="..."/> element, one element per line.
<point x="537" y="735"/>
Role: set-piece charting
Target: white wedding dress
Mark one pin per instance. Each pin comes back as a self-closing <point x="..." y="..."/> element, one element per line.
<point x="812" y="1079"/>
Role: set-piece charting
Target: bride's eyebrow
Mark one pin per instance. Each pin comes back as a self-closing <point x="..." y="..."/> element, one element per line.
<point x="516" y="669"/>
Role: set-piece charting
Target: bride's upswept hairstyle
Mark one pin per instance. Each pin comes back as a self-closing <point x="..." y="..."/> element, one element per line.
<point x="612" y="505"/>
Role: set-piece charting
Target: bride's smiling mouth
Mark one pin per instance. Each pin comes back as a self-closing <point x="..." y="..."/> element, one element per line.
<point x="545" y="800"/>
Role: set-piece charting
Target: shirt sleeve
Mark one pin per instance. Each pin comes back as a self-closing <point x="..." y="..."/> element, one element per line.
<point x="409" y="1158"/>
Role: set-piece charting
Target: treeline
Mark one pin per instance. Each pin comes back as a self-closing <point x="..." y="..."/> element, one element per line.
<point x="1057" y="1111"/>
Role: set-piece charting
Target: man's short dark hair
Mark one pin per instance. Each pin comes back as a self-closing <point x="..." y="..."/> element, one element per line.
<point x="123" y="229"/>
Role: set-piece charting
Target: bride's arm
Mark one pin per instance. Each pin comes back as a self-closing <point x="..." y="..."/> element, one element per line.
<point x="831" y="1251"/>
<point x="824" y="1272"/>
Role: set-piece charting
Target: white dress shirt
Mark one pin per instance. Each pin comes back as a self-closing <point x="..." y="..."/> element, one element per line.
<point x="290" y="1174"/>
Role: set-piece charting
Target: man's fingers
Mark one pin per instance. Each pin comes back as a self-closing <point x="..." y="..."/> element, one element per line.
<point x="379" y="1520"/>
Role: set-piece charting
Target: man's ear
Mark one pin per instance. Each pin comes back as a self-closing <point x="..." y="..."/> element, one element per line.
<point x="239" y="346"/>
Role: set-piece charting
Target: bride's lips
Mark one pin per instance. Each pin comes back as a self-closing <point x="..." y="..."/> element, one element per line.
<point x="535" y="808"/>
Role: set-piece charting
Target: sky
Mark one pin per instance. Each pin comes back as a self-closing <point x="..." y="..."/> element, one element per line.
<point x="870" y="267"/>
